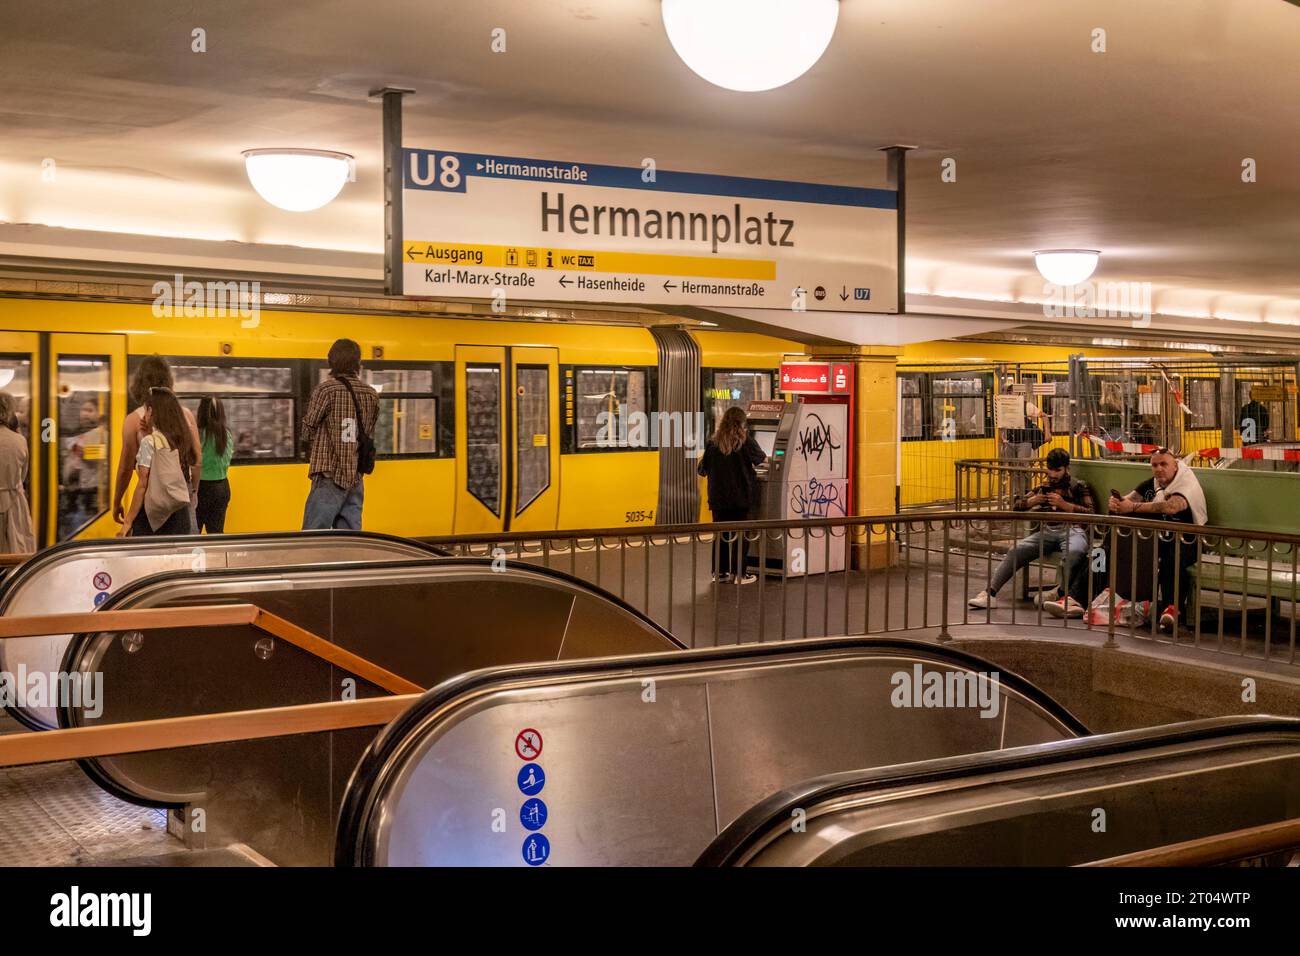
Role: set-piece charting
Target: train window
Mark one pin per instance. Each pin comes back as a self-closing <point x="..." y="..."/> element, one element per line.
<point x="1055" y="405"/>
<point x="607" y="400"/>
<point x="415" y="408"/>
<point x="726" y="387"/>
<point x="962" y="398"/>
<point x="16" y="379"/>
<point x="911" y="406"/>
<point x="83" y="389"/>
<point x="1203" y="400"/>
<point x="483" y="434"/>
<point x="532" y="432"/>
<point x="261" y="409"/>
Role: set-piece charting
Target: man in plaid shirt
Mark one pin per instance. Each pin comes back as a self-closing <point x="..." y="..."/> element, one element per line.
<point x="331" y="427"/>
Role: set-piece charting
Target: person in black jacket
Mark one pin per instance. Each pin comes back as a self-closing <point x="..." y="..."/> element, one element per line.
<point x="728" y="462"/>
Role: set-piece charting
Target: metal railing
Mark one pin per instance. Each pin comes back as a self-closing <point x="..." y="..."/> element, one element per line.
<point x="1241" y="590"/>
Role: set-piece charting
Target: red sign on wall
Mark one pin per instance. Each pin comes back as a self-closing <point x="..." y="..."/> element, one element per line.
<point x="816" y="377"/>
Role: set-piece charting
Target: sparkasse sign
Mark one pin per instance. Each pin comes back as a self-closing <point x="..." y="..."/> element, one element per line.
<point x="475" y="225"/>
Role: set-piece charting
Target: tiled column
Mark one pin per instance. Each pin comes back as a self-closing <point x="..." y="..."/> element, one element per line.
<point x="874" y="440"/>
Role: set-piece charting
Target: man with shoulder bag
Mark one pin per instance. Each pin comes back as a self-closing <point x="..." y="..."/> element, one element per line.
<point x="340" y="427"/>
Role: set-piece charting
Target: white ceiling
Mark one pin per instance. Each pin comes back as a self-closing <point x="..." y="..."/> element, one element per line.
<point x="1136" y="151"/>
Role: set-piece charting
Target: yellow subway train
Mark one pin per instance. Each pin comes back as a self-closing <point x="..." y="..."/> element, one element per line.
<point x="485" y="426"/>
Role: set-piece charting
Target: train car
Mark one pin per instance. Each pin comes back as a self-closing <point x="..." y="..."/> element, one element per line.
<point x="484" y="426"/>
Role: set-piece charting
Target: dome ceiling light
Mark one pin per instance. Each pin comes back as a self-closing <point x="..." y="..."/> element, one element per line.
<point x="1066" y="267"/>
<point x="298" y="180"/>
<point x="750" y="45"/>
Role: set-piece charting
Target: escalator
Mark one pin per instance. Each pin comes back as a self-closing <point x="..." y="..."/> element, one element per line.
<point x="82" y="575"/>
<point x="425" y="621"/>
<point x="1067" y="803"/>
<point x="644" y="760"/>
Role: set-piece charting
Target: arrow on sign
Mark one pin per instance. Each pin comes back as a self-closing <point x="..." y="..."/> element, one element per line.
<point x="478" y="165"/>
<point x="668" y="286"/>
<point x="410" y="254"/>
<point x="565" y="282"/>
<point x="844" y="293"/>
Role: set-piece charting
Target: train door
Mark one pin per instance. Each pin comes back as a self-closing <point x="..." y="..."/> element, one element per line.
<point x="507" y="439"/>
<point x="78" y="420"/>
<point x="20" y="378"/>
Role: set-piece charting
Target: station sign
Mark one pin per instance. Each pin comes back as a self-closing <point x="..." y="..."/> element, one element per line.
<point x="810" y="378"/>
<point x="479" y="226"/>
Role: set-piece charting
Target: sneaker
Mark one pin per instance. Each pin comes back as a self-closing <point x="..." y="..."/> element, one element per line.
<point x="1169" y="618"/>
<point x="1073" y="608"/>
<point x="983" y="600"/>
<point x="1055" y="608"/>
<point x="1043" y="598"/>
<point x="747" y="579"/>
<point x="721" y="578"/>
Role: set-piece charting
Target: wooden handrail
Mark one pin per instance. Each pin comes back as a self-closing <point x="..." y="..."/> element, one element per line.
<point x="206" y="615"/>
<point x="10" y="559"/>
<point x="1214" y="850"/>
<point x="103" y="740"/>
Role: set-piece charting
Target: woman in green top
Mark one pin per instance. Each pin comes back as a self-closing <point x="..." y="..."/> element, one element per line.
<point x="218" y="446"/>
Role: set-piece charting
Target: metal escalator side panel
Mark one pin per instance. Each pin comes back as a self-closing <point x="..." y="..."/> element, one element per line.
<point x="423" y="620"/>
<point x="81" y="575"/>
<point x="1032" y="805"/>
<point x="649" y="756"/>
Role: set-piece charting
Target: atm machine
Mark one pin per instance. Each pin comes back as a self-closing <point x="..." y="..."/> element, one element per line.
<point x="808" y="469"/>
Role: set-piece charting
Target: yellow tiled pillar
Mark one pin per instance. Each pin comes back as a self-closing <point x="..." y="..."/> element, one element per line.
<point x="874" y="440"/>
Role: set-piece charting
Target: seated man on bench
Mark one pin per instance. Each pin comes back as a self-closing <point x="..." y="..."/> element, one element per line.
<point x="1172" y="493"/>
<point x="1059" y="494"/>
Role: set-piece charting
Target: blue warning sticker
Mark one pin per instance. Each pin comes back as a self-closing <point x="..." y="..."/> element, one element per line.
<point x="537" y="849"/>
<point x="100" y="598"/>
<point x="531" y="779"/>
<point x="533" y="814"/>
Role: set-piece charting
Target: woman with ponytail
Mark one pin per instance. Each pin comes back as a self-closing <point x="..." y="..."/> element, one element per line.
<point x="728" y="463"/>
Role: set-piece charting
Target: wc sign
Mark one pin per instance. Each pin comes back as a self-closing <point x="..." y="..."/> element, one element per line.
<point x="802" y="378"/>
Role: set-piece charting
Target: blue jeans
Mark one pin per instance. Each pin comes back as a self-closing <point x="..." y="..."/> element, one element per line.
<point x="329" y="506"/>
<point x="1072" y="541"/>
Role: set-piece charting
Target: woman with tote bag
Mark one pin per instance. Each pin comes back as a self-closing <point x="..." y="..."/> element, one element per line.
<point x="161" y="503"/>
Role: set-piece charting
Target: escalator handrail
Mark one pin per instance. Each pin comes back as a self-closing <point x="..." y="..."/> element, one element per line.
<point x="1215" y="850"/>
<point x="42" y="559"/>
<point x="77" y="646"/>
<point x="752" y="826"/>
<point x="377" y="764"/>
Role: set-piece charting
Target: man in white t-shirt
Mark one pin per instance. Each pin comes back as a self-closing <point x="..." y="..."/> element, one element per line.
<point x="1172" y="493"/>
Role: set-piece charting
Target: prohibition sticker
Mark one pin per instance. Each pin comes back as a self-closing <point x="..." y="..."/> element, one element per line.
<point x="528" y="744"/>
<point x="102" y="581"/>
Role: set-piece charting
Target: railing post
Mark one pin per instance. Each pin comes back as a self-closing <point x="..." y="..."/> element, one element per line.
<point x="944" y="636"/>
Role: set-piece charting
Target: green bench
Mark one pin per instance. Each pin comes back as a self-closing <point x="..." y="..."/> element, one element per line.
<point x="1245" y="501"/>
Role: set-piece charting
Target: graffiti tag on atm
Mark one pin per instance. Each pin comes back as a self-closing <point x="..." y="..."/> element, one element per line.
<point x="815" y="440"/>
<point x="813" y="499"/>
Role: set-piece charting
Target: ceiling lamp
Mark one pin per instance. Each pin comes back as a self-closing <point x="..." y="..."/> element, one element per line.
<point x="750" y="45"/>
<point x="298" y="180"/>
<point x="1066" y="266"/>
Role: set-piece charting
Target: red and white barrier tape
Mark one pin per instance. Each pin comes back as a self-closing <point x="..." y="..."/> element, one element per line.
<point x="1252" y="454"/>
<point x="1132" y="448"/>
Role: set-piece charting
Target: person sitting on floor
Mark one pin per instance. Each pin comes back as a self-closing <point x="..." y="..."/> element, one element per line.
<point x="1059" y="494"/>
